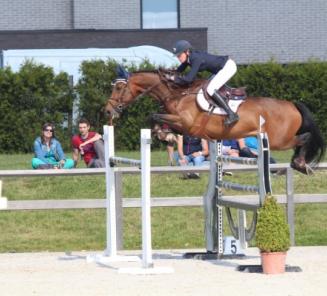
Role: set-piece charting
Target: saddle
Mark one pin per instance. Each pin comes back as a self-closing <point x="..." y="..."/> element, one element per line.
<point x="230" y="93"/>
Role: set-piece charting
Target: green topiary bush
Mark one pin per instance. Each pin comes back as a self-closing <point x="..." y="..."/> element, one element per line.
<point x="272" y="232"/>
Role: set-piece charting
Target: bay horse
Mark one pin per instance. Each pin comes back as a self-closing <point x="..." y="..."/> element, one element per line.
<point x="288" y="125"/>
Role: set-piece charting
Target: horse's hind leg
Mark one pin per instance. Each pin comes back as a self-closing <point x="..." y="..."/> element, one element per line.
<point x="298" y="159"/>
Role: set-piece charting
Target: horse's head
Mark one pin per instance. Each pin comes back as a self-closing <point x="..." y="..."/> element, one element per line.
<point x="121" y="95"/>
<point x="129" y="87"/>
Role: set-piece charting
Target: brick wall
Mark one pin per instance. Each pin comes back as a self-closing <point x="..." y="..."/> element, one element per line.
<point x="107" y="14"/>
<point x="258" y="30"/>
<point x="249" y="31"/>
<point x="35" y="14"/>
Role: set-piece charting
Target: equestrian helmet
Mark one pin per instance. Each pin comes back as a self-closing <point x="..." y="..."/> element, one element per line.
<point x="181" y="46"/>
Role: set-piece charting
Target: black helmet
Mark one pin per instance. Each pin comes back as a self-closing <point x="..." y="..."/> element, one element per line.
<point x="181" y="46"/>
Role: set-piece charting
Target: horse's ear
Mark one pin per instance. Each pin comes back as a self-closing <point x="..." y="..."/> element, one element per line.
<point x="121" y="72"/>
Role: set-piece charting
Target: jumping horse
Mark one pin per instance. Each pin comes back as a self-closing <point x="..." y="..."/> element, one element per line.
<point x="288" y="125"/>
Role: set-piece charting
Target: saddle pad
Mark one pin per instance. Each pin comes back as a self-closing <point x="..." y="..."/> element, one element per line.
<point x="204" y="105"/>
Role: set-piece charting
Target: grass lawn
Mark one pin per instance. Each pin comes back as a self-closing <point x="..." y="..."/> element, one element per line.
<point x="59" y="230"/>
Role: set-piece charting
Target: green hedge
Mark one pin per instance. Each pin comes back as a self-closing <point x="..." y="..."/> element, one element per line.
<point x="35" y="95"/>
<point x="94" y="89"/>
<point x="295" y="82"/>
<point x="28" y="99"/>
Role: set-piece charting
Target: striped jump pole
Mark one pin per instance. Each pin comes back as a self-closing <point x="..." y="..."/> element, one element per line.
<point x="262" y="188"/>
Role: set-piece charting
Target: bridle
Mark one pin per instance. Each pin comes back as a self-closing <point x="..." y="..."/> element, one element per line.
<point x="120" y="104"/>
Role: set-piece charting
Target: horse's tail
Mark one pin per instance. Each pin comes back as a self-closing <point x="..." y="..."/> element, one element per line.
<point x="315" y="146"/>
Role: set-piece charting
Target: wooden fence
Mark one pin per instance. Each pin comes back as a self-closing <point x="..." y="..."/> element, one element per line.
<point x="289" y="198"/>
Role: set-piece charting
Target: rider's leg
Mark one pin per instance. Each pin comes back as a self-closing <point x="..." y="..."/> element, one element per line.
<point x="220" y="101"/>
<point x="216" y="83"/>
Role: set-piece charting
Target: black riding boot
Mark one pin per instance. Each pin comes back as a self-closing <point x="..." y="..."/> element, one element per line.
<point x="231" y="116"/>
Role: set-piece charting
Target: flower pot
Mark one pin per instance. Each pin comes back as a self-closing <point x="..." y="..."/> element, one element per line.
<point x="273" y="263"/>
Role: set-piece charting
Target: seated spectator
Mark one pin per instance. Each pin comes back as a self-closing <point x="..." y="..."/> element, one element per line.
<point x="89" y="145"/>
<point x="249" y="148"/>
<point x="191" y="151"/>
<point x="230" y="148"/>
<point x="165" y="134"/>
<point x="48" y="151"/>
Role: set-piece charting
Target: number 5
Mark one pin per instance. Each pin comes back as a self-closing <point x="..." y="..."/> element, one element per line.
<point x="233" y="246"/>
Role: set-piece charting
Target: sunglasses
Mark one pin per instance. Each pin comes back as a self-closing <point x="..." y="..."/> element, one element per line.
<point x="48" y="130"/>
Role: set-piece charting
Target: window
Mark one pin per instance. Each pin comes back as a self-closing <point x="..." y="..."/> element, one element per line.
<point x="158" y="14"/>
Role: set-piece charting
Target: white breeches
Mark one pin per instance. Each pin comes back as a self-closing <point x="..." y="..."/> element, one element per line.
<point x="222" y="77"/>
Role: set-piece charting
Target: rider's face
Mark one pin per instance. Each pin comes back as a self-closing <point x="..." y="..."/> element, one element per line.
<point x="183" y="57"/>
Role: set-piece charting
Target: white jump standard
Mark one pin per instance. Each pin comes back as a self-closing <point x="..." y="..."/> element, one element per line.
<point x="144" y="164"/>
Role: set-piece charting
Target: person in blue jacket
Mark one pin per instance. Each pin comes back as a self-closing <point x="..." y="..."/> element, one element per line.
<point x="222" y="67"/>
<point x="191" y="151"/>
<point x="48" y="151"/>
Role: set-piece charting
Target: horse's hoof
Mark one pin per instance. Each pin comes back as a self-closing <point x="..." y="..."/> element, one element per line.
<point x="304" y="169"/>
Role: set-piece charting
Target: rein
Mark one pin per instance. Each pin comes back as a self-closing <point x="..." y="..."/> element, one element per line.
<point x="119" y="108"/>
<point x="147" y="90"/>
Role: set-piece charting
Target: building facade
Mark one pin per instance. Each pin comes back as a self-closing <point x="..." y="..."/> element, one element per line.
<point x="249" y="31"/>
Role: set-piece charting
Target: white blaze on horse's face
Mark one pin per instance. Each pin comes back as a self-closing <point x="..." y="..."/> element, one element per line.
<point x="117" y="101"/>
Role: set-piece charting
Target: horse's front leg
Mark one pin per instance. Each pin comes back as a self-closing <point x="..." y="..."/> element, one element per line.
<point x="173" y="121"/>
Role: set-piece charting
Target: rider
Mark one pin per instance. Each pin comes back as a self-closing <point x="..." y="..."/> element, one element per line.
<point x="221" y="66"/>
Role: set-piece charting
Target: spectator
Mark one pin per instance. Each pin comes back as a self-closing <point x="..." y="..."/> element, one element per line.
<point x="48" y="151"/>
<point x="191" y="151"/>
<point x="165" y="134"/>
<point x="230" y="148"/>
<point x="249" y="148"/>
<point x="89" y="145"/>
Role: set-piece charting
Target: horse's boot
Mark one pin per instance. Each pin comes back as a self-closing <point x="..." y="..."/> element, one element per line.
<point x="232" y="117"/>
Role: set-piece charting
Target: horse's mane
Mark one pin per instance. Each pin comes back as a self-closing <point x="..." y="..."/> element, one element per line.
<point x="145" y="71"/>
<point x="162" y="72"/>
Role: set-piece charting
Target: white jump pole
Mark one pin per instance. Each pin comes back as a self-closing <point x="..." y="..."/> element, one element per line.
<point x="109" y="151"/>
<point x="3" y="200"/>
<point x="110" y="253"/>
<point x="147" y="261"/>
<point x="146" y="203"/>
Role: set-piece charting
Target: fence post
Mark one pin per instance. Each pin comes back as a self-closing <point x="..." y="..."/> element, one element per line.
<point x="146" y="193"/>
<point x="109" y="149"/>
<point x="119" y="209"/>
<point x="3" y="200"/>
<point x="290" y="203"/>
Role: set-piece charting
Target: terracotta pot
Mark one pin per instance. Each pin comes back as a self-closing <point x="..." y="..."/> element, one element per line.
<point x="273" y="263"/>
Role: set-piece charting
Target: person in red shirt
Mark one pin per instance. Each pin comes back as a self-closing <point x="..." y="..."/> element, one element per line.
<point x="89" y="145"/>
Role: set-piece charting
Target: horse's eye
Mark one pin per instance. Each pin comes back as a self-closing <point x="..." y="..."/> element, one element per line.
<point x="119" y="86"/>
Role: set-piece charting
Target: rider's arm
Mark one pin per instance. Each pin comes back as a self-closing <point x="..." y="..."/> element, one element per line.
<point x="190" y="76"/>
<point x="181" y="67"/>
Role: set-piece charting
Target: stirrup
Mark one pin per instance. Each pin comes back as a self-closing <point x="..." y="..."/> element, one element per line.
<point x="231" y="119"/>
